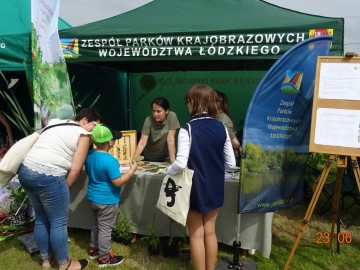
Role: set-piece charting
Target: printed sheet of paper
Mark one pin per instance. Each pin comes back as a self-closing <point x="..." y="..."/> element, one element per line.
<point x="337" y="127"/>
<point x="339" y="81"/>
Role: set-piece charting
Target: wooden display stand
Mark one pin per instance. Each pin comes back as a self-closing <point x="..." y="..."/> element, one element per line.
<point x="124" y="148"/>
<point x="335" y="128"/>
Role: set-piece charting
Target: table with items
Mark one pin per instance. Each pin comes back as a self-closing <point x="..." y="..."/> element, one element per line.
<point x="139" y="197"/>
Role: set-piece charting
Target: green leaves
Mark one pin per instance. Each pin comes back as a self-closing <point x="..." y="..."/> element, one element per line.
<point x="19" y="118"/>
<point x="152" y="239"/>
<point x="123" y="226"/>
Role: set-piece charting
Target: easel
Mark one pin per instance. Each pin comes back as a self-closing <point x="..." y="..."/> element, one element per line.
<point x="331" y="105"/>
<point x="341" y="165"/>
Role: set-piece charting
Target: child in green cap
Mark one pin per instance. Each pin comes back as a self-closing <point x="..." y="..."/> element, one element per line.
<point x="105" y="181"/>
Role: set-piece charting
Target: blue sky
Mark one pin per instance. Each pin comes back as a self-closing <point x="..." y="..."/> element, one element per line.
<point x="80" y="12"/>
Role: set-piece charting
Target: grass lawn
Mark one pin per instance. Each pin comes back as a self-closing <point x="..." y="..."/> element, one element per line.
<point x="311" y="253"/>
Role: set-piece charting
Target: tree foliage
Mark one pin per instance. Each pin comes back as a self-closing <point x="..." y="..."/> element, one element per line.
<point x="258" y="160"/>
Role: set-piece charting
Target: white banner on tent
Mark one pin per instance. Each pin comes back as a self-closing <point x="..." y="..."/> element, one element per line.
<point x="51" y="85"/>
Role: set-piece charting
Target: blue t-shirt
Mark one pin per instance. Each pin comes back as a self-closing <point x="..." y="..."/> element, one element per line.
<point x="102" y="168"/>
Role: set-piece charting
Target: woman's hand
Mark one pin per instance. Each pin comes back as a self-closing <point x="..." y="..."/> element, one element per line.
<point x="240" y="150"/>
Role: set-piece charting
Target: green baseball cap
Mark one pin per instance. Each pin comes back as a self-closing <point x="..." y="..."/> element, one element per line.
<point x="102" y="133"/>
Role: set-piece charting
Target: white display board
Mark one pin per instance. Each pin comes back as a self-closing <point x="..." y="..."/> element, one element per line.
<point x="335" y="122"/>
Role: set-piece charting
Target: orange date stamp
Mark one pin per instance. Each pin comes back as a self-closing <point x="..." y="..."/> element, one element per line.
<point x="342" y="237"/>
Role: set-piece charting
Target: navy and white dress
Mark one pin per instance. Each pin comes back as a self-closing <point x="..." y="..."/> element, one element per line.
<point x="209" y="155"/>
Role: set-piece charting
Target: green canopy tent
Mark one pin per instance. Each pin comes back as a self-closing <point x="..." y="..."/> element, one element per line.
<point x="15" y="34"/>
<point x="166" y="46"/>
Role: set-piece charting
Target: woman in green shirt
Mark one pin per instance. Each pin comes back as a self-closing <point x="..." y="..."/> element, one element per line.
<point x="157" y="141"/>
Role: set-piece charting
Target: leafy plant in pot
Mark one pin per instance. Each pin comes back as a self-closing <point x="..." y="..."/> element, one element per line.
<point x="122" y="231"/>
<point x="185" y="254"/>
<point x="18" y="205"/>
<point x="170" y="245"/>
<point x="152" y="240"/>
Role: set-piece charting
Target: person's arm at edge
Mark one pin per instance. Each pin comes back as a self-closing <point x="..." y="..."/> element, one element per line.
<point x="123" y="179"/>
<point x="234" y="141"/>
<point x="171" y="144"/>
<point x="232" y="134"/>
<point x="78" y="160"/>
<point x="7" y="125"/>
<point x="229" y="156"/>
<point x="141" y="145"/>
<point x="182" y="155"/>
<point x="236" y="145"/>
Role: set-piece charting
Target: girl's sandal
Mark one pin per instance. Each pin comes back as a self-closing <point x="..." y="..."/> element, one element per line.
<point x="83" y="263"/>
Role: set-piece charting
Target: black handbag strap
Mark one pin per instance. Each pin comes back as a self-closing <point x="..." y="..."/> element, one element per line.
<point x="57" y="125"/>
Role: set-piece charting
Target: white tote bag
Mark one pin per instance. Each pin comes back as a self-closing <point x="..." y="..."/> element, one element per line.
<point x="174" y="197"/>
<point x="12" y="160"/>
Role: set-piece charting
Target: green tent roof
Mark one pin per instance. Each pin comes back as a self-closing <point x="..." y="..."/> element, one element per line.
<point x="62" y="24"/>
<point x="15" y="33"/>
<point x="198" y="30"/>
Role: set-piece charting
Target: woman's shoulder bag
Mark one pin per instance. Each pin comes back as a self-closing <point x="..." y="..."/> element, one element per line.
<point x="12" y="160"/>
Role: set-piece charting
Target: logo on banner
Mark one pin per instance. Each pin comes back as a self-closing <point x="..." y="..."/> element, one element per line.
<point x="321" y="32"/>
<point x="70" y="47"/>
<point x="147" y="82"/>
<point x="292" y="82"/>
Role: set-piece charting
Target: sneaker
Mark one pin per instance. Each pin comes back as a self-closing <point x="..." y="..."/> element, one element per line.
<point x="111" y="260"/>
<point x="93" y="254"/>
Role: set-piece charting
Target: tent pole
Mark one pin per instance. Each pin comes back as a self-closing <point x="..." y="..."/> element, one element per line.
<point x="235" y="263"/>
<point x="226" y="263"/>
<point x="128" y="110"/>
